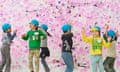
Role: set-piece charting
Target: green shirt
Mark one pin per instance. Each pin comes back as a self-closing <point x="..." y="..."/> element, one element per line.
<point x="96" y="44"/>
<point x="34" y="38"/>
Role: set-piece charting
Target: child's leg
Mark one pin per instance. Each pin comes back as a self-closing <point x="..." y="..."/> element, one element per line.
<point x="36" y="55"/>
<point x="109" y="64"/>
<point x="100" y="63"/>
<point x="3" y="53"/>
<point x="45" y="65"/>
<point x="8" y="60"/>
<point x="31" y="60"/>
<point x="106" y="64"/>
<point x="68" y="59"/>
<point x="94" y="63"/>
<point x="44" y="53"/>
<point x="112" y="64"/>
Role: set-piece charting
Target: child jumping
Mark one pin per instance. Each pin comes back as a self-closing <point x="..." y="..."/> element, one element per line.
<point x="5" y="49"/>
<point x="67" y="43"/>
<point x="34" y="37"/>
<point x="44" y="48"/>
<point x="96" y="43"/>
<point x="110" y="52"/>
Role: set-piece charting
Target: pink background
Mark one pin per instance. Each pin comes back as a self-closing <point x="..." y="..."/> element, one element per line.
<point x="80" y="13"/>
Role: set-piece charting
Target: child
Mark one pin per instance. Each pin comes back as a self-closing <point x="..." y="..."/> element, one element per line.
<point x="44" y="49"/>
<point x="66" y="47"/>
<point x="111" y="52"/>
<point x="5" y="49"/>
<point x="96" y="43"/>
<point x="33" y="36"/>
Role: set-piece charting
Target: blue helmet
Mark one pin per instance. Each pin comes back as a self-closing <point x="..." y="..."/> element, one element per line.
<point x="6" y="26"/>
<point x="111" y="33"/>
<point x="34" y="22"/>
<point x="70" y="27"/>
<point x="44" y="26"/>
<point x="66" y="27"/>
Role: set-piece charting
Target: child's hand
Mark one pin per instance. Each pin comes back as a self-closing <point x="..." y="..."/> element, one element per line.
<point x="83" y="30"/>
<point x="23" y="35"/>
<point x="15" y="31"/>
<point x="106" y="26"/>
<point x="117" y="33"/>
<point x="109" y="38"/>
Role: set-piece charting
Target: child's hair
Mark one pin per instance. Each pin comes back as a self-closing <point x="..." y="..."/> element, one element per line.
<point x="48" y="34"/>
<point x="99" y="33"/>
<point x="115" y="38"/>
<point x="37" y="27"/>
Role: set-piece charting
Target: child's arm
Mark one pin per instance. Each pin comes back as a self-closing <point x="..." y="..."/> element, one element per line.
<point x="106" y="28"/>
<point x="13" y="35"/>
<point x="108" y="43"/>
<point x="84" y="37"/>
<point x="105" y="32"/>
<point x="25" y="36"/>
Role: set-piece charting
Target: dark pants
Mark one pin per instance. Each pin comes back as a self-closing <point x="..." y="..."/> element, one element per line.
<point x="6" y="58"/>
<point x="45" y="53"/>
<point x="109" y="64"/>
<point x="68" y="59"/>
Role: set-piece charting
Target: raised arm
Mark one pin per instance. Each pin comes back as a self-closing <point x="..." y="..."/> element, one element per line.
<point x="107" y="43"/>
<point x="13" y="36"/>
<point x="84" y="37"/>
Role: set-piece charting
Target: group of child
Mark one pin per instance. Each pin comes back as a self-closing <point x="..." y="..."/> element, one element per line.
<point x="37" y="38"/>
<point x="96" y="44"/>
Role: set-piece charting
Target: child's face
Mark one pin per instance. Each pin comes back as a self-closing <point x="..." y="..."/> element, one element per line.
<point x="95" y="33"/>
<point x="69" y="31"/>
<point x="8" y="30"/>
<point x="32" y="26"/>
